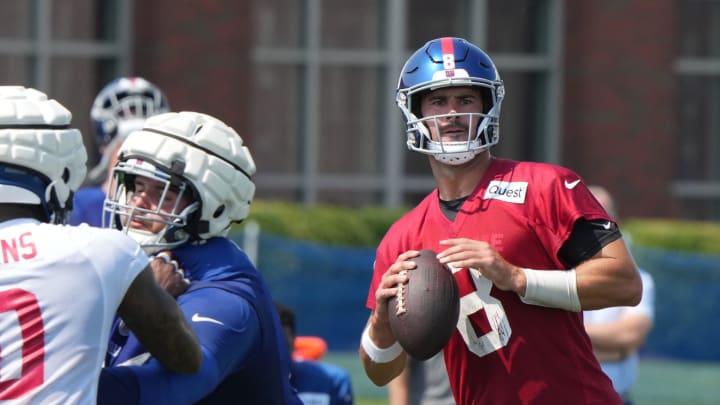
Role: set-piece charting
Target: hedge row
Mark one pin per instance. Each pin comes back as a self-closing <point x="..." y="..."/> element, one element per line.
<point x="366" y="226"/>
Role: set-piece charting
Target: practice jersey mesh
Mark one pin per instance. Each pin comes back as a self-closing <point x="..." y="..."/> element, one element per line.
<point x="60" y="287"/>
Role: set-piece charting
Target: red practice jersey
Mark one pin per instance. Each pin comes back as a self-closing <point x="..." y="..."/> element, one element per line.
<point x="503" y="350"/>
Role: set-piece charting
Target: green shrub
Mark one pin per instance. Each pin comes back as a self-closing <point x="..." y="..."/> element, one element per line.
<point x="366" y="226"/>
<point x="684" y="236"/>
<point x="326" y="224"/>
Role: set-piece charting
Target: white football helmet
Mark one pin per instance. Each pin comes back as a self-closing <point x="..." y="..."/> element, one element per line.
<point x="195" y="155"/>
<point x="448" y="62"/>
<point x="42" y="159"/>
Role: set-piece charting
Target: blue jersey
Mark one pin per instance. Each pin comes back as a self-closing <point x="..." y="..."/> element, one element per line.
<point x="321" y="383"/>
<point x="245" y="356"/>
<point x="88" y="206"/>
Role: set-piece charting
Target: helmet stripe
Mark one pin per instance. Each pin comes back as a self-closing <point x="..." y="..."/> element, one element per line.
<point x="448" y="55"/>
<point x="196" y="146"/>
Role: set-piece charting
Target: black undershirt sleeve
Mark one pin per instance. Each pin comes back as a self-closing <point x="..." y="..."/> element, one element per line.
<point x="586" y="239"/>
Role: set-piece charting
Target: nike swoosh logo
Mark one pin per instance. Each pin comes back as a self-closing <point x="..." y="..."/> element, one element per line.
<point x="607" y="226"/>
<point x="197" y="318"/>
<point x="571" y="185"/>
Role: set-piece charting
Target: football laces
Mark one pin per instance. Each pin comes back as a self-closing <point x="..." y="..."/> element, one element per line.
<point x="401" y="294"/>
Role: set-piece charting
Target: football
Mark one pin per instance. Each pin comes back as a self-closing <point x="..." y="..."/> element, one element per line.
<point x="424" y="313"/>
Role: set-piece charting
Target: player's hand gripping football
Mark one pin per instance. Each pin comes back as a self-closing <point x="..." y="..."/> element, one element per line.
<point x="468" y="253"/>
<point x="168" y="274"/>
<point x="393" y="277"/>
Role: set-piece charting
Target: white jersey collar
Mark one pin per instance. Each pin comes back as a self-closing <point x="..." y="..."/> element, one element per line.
<point x="17" y="221"/>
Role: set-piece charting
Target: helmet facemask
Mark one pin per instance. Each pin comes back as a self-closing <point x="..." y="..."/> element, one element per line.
<point x="482" y="128"/>
<point x="121" y="211"/>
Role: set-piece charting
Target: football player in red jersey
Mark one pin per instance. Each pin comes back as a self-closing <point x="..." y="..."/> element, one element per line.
<point x="529" y="246"/>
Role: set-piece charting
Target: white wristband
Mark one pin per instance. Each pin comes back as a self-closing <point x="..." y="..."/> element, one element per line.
<point x="376" y="354"/>
<point x="552" y="288"/>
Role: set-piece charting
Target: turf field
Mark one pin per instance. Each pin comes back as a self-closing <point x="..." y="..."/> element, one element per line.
<point x="660" y="382"/>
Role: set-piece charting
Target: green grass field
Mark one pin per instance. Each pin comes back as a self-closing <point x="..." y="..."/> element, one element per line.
<point x="660" y="382"/>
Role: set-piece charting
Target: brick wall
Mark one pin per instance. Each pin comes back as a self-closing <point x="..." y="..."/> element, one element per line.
<point x="198" y="52"/>
<point x="619" y="104"/>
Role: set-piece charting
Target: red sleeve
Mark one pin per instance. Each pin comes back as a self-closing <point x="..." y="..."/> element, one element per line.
<point x="561" y="199"/>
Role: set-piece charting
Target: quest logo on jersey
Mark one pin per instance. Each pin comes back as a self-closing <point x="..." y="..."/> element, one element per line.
<point x="509" y="191"/>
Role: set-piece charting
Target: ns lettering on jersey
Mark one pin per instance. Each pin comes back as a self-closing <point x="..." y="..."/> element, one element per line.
<point x="15" y="249"/>
<point x="508" y="191"/>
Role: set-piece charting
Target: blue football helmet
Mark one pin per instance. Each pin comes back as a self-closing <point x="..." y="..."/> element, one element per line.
<point x="448" y="62"/>
<point x="123" y="99"/>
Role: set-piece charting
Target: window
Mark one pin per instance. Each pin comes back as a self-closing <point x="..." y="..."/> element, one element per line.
<point x="326" y="126"/>
<point x="68" y="49"/>
<point x="697" y="163"/>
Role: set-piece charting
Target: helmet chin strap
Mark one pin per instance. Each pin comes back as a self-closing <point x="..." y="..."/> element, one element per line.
<point x="457" y="158"/>
<point x="152" y="243"/>
<point x="148" y="241"/>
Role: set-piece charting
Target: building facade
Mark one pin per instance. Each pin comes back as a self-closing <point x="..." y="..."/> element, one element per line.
<point x="624" y="92"/>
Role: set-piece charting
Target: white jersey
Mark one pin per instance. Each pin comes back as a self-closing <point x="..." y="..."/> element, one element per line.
<point x="623" y="373"/>
<point x="60" y="288"/>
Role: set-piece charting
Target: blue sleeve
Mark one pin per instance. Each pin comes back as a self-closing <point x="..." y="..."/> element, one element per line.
<point x="88" y="206"/>
<point x="225" y="324"/>
<point x="227" y="328"/>
<point x="344" y="394"/>
<point x="152" y="384"/>
<point x="314" y="379"/>
<point x="117" y="386"/>
<point x="341" y="384"/>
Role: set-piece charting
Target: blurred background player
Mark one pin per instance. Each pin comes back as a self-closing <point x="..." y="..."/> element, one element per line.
<point x="122" y="106"/>
<point x="527" y="243"/>
<point x="617" y="333"/>
<point x="422" y="383"/>
<point x="178" y="186"/>
<point x="317" y="383"/>
<point x="60" y="286"/>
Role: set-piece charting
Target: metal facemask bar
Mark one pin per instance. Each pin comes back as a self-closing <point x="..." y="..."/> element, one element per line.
<point x="120" y="213"/>
<point x="419" y="138"/>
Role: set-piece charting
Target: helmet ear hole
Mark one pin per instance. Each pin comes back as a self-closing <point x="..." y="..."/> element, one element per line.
<point x="219" y="211"/>
<point x="66" y="175"/>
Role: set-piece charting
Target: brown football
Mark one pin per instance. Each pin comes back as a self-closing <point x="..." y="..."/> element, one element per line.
<point x="425" y="312"/>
